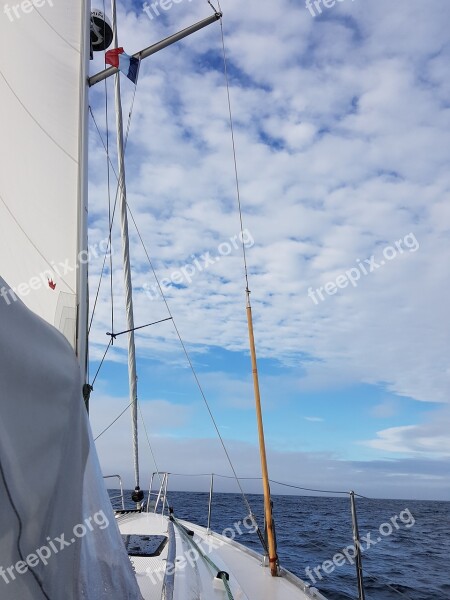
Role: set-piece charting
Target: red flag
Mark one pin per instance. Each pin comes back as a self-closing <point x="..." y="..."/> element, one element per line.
<point x="112" y="57"/>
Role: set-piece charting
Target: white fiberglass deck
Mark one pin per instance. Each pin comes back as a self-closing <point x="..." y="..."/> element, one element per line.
<point x="194" y="577"/>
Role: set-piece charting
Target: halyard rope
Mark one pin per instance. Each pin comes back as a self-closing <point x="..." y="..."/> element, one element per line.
<point x="218" y="571"/>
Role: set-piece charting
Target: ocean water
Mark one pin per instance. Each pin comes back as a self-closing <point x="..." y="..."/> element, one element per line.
<point x="406" y="543"/>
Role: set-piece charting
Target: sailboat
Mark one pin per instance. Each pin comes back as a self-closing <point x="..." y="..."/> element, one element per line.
<point x="59" y="537"/>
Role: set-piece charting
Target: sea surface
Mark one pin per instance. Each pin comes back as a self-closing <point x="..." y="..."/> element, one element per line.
<point x="406" y="543"/>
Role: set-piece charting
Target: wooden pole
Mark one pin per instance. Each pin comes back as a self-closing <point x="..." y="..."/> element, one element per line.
<point x="273" y="558"/>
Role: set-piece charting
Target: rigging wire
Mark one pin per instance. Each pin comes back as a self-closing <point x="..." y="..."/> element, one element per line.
<point x="366" y="573"/>
<point x="290" y="485"/>
<point x="146" y="435"/>
<point x="244" y="253"/>
<point x="316" y="544"/>
<point x="99" y="285"/>
<point x="114" y="335"/>
<point x="238" y="195"/>
<point x="152" y="454"/>
<point x="108" y="179"/>
<point x="194" y="373"/>
<point x="108" y="248"/>
<point x="119" y="185"/>
<point x="236" y="172"/>
<point x="112" y="423"/>
<point x="233" y="143"/>
<point x="170" y="313"/>
<point x="101" y="362"/>
<point x="315" y="490"/>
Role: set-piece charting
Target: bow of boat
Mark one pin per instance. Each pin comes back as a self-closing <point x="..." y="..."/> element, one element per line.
<point x="177" y="560"/>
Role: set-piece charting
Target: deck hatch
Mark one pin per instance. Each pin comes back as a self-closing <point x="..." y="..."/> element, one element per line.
<point x="144" y="545"/>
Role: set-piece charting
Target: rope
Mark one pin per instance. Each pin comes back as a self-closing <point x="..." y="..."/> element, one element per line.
<point x="191" y="541"/>
<point x="227" y="586"/>
<point x="19" y="536"/>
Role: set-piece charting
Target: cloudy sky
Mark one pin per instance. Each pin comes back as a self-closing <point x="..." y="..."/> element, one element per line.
<point x="341" y="125"/>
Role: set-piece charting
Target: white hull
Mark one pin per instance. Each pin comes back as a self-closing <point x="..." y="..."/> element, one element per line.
<point x="194" y="578"/>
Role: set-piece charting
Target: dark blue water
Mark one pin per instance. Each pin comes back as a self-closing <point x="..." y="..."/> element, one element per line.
<point x="410" y="553"/>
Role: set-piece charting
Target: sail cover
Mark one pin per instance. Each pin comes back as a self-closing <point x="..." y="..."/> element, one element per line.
<point x="42" y="88"/>
<point x="58" y="535"/>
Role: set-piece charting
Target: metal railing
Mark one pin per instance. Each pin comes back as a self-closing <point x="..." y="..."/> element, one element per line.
<point x="117" y="496"/>
<point x="158" y="499"/>
<point x="357" y="545"/>
<point x="211" y="491"/>
<point x="155" y="498"/>
<point x="161" y="495"/>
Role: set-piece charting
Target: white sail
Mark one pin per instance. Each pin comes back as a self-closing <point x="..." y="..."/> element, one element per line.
<point x="58" y="534"/>
<point x="42" y="87"/>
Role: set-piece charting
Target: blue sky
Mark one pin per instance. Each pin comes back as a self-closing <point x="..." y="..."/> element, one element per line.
<point x="341" y="125"/>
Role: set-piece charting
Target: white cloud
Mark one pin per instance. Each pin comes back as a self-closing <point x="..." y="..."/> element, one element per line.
<point x="184" y="457"/>
<point x="340" y="125"/>
<point x="428" y="439"/>
<point x="314" y="204"/>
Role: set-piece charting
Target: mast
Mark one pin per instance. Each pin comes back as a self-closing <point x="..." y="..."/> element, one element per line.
<point x="132" y="376"/>
<point x="271" y="541"/>
<point x="82" y="275"/>
<point x="138" y="495"/>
